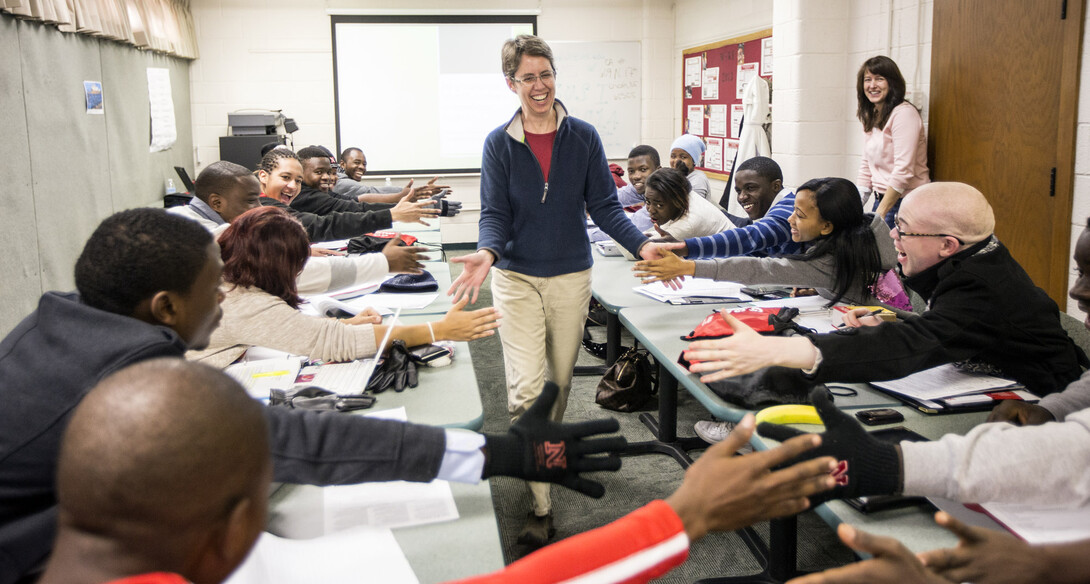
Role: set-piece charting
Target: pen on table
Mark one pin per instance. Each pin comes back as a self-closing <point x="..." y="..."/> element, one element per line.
<point x="871" y="313"/>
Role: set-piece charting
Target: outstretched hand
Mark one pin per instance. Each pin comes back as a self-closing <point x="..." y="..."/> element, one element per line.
<point x="413" y="212"/>
<point x="892" y="563"/>
<point x="537" y="449"/>
<point x="401" y="258"/>
<point x="985" y="556"/>
<point x="666" y="269"/>
<point x="865" y="465"/>
<point x="747" y="351"/>
<point x="724" y="492"/>
<point x="475" y="268"/>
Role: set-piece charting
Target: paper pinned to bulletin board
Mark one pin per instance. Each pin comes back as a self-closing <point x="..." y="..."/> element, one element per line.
<point x="714" y="82"/>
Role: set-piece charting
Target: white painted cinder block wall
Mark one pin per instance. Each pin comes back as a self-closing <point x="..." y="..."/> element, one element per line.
<point x="276" y="54"/>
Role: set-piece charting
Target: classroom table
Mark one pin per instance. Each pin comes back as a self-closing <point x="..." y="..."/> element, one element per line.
<point x="447" y="397"/>
<point x="659" y="328"/>
<point x="612" y="285"/>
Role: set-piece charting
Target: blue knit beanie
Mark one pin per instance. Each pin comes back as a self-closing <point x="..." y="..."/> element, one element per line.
<point x="691" y="144"/>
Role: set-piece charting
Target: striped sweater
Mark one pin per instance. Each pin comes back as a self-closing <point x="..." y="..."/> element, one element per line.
<point x="636" y="548"/>
<point x="768" y="236"/>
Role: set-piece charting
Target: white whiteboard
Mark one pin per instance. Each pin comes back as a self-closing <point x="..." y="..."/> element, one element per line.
<point x="600" y="82"/>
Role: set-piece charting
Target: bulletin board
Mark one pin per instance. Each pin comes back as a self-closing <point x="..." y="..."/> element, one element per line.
<point x="713" y="78"/>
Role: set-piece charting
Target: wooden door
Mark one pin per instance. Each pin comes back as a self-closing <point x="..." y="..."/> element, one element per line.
<point x="1004" y="91"/>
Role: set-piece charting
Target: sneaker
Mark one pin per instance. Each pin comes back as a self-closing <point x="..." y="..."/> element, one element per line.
<point x="713" y="432"/>
<point x="537" y="530"/>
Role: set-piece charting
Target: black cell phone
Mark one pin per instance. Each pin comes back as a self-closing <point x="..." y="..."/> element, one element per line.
<point x="883" y="502"/>
<point x="880" y="416"/>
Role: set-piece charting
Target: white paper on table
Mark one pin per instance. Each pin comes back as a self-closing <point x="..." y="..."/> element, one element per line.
<point x="713" y="157"/>
<point x="164" y="132"/>
<point x="364" y="554"/>
<point x="766" y="57"/>
<point x="717" y="120"/>
<point x="1042" y="525"/>
<point x="746" y="71"/>
<point x="389" y="505"/>
<point x="259" y="377"/>
<point x="691" y="287"/>
<point x="709" y="89"/>
<point x="941" y="382"/>
<point x="398" y="413"/>
<point x="334" y="244"/>
<point x="737" y="110"/>
<point x="393" y="300"/>
<point x="692" y="71"/>
<point x="696" y="120"/>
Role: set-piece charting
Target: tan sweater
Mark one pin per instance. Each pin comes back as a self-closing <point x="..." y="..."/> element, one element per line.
<point x="252" y="316"/>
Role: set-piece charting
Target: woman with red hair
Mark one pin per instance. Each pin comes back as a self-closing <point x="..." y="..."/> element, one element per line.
<point x="263" y="251"/>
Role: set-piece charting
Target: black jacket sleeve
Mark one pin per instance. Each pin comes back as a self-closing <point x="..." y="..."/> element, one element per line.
<point x="320" y="203"/>
<point x="332" y="448"/>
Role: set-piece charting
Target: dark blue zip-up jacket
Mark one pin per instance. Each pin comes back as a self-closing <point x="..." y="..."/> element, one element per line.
<point x="537" y="227"/>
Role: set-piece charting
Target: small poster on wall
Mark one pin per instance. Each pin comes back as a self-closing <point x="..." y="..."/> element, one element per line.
<point x="713" y="157"/>
<point x="710" y="88"/>
<point x="746" y="71"/>
<point x="695" y="120"/>
<point x="92" y="95"/>
<point x="717" y="120"/>
<point x="766" y="57"/>
<point x="730" y="150"/>
<point x="736" y="112"/>
<point x="692" y="71"/>
<point x="163" y="129"/>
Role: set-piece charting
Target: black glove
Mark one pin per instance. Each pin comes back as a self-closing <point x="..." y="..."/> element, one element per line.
<point x="865" y="465"/>
<point x="316" y="398"/>
<point x="397" y="371"/>
<point x="446" y="208"/>
<point x="536" y="449"/>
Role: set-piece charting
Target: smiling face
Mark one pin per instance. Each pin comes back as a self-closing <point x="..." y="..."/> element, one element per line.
<point x="755" y="193"/>
<point x="806" y="221"/>
<point x="659" y="207"/>
<point x="681" y="160"/>
<point x="639" y="167"/>
<point x="917" y="253"/>
<point x="537" y="97"/>
<point x="318" y="174"/>
<point x="875" y="87"/>
<point x="354" y="165"/>
<point x="1080" y="291"/>
<point x="284" y="182"/>
<point x="238" y="199"/>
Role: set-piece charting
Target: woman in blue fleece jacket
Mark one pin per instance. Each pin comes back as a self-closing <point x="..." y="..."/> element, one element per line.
<point x="540" y="173"/>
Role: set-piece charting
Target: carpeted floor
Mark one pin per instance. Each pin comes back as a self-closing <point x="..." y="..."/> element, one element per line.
<point x="640" y="480"/>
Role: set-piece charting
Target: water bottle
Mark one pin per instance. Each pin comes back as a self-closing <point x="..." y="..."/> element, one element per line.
<point x="389" y="182"/>
<point x="170" y="187"/>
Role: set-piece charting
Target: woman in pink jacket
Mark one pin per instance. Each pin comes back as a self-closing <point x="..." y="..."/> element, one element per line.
<point x="894" y="144"/>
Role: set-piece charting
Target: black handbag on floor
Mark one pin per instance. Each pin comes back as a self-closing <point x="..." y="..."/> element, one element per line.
<point x="629" y="383"/>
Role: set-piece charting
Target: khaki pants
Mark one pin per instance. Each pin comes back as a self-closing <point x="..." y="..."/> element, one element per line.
<point x="541" y="332"/>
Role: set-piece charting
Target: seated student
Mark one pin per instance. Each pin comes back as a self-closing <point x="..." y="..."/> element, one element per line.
<point x="678" y="212"/>
<point x="845" y="250"/>
<point x="758" y="183"/>
<point x="281" y="176"/>
<point x="225" y="190"/>
<point x="263" y="251"/>
<point x="352" y="165"/>
<point x="642" y="161"/>
<point x="126" y="513"/>
<point x="686" y="153"/>
<point x="318" y="179"/>
<point x="982" y="306"/>
<point x="149" y="286"/>
<point x="993" y="462"/>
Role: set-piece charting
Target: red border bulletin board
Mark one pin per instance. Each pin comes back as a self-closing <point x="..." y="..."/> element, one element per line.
<point x="710" y="93"/>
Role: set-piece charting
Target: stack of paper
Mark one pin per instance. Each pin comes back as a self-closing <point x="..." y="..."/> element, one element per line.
<point x="694" y="288"/>
<point x="1042" y="525"/>
<point x="258" y="377"/>
<point x="944" y="381"/>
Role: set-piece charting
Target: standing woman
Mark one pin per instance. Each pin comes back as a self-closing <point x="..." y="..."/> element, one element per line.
<point x="894" y="145"/>
<point x="540" y="172"/>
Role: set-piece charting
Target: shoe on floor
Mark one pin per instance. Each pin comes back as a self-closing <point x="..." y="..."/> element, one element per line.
<point x="713" y="432"/>
<point x="537" y="530"/>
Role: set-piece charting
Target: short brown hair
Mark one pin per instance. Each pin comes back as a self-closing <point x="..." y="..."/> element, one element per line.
<point x="523" y="44"/>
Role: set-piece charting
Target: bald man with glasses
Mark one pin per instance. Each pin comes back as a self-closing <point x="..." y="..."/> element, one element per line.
<point x="983" y="309"/>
